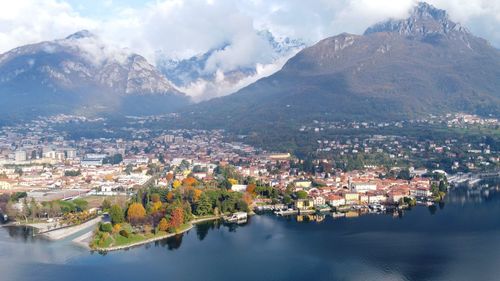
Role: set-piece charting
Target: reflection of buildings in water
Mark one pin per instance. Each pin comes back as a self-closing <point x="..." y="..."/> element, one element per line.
<point x="320" y="218"/>
<point x="477" y="194"/>
<point x="352" y="214"/>
<point x="310" y="218"/>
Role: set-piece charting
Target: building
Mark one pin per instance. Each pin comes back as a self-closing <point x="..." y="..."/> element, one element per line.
<point x="364" y="187"/>
<point x="319" y="200"/>
<point x="336" y="200"/>
<point x="351" y="198"/>
<point x="6" y="184"/>
<point x="168" y="138"/>
<point x="239" y="187"/>
<point x="20" y="156"/>
<point x="304" y="204"/>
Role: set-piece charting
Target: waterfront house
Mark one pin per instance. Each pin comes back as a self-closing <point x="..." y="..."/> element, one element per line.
<point x="351" y="198"/>
<point x="319" y="200"/>
<point x="304" y="204"/>
<point x="336" y="200"/>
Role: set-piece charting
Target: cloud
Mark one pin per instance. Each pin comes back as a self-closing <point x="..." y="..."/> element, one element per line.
<point x="204" y="89"/>
<point x="24" y="22"/>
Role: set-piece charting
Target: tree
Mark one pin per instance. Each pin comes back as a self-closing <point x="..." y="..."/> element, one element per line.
<point x="177" y="217"/>
<point x="442" y="186"/>
<point x="80" y="204"/>
<point x="155" y="197"/>
<point x="116" y="214"/>
<point x="251" y="188"/>
<point x="301" y="194"/>
<point x="136" y="213"/>
<point x="163" y="225"/>
<point x="190" y="181"/>
<point x="105" y="205"/>
<point x="203" y="207"/>
<point x="176" y="184"/>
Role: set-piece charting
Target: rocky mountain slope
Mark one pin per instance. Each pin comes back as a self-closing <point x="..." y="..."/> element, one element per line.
<point x="80" y="74"/>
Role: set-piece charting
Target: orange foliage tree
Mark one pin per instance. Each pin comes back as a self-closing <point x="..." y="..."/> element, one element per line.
<point x="189" y="181"/>
<point x="251" y="188"/>
<point x="196" y="194"/>
<point x="177" y="217"/>
<point x="136" y="213"/>
<point x="170" y="196"/>
<point x="247" y="197"/>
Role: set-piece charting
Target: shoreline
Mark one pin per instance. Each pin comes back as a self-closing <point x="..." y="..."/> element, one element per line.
<point x="80" y="240"/>
<point x="64" y="232"/>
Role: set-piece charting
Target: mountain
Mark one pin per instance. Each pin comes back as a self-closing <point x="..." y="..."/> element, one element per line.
<point x="81" y="74"/>
<point x="398" y="69"/>
<point x="204" y="70"/>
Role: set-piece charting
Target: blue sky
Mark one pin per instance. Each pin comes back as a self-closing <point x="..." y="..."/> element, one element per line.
<point x="103" y="9"/>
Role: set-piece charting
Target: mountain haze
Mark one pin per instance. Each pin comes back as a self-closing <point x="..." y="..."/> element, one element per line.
<point x="397" y="69"/>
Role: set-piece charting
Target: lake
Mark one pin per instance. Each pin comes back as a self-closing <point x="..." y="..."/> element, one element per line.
<point x="457" y="240"/>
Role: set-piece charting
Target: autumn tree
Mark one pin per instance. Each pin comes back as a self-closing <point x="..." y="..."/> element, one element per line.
<point x="176" y="184"/>
<point x="163" y="225"/>
<point x="251" y="188"/>
<point x="169" y="177"/>
<point x="136" y="213"/>
<point x="177" y="218"/>
<point x="247" y="197"/>
<point x="190" y="181"/>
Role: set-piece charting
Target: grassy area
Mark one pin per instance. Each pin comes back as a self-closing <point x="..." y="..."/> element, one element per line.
<point x="103" y="240"/>
<point x="95" y="201"/>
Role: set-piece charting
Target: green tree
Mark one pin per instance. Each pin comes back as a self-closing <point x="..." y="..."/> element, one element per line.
<point x="203" y="207"/>
<point x="116" y="214"/>
<point x="301" y="194"/>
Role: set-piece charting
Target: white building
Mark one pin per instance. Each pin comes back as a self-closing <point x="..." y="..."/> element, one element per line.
<point x="239" y="187"/>
<point x="20" y="156"/>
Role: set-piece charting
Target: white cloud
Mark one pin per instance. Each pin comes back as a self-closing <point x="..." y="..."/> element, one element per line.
<point x="206" y="89"/>
<point x="23" y="22"/>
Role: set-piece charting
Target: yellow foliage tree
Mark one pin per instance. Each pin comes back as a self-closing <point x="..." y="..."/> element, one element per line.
<point x="157" y="206"/>
<point x="232" y="181"/>
<point x="116" y="228"/>
<point x="136" y="213"/>
<point x="163" y="225"/>
<point x="176" y="184"/>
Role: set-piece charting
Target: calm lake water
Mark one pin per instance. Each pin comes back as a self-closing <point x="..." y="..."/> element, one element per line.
<point x="458" y="240"/>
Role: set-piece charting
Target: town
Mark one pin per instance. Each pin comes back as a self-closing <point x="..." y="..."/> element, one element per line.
<point x="42" y="167"/>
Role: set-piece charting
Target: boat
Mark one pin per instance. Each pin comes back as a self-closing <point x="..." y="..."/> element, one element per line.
<point x="337" y="215"/>
<point x="286" y="212"/>
<point x="238" y="217"/>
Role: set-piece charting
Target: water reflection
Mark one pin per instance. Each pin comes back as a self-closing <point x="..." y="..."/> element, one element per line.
<point x="457" y="240"/>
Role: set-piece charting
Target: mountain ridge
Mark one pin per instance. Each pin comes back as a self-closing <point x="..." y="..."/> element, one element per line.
<point x="398" y="69"/>
<point x="81" y="74"/>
